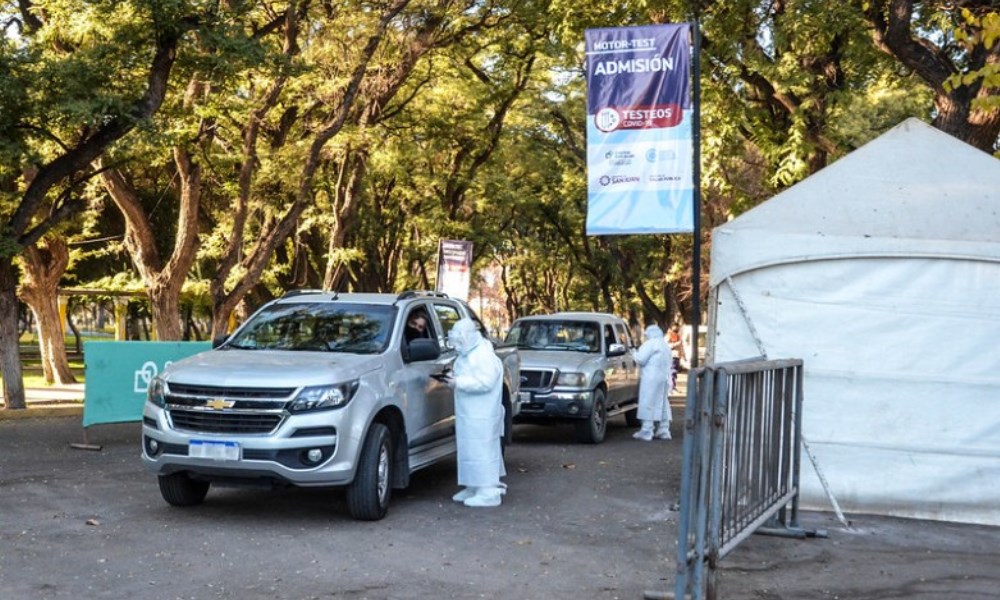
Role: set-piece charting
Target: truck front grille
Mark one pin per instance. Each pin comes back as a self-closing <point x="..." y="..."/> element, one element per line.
<point x="536" y="380"/>
<point x="224" y="422"/>
<point x="218" y="391"/>
<point x="223" y="409"/>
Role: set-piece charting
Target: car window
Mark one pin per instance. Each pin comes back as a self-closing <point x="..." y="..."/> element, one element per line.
<point x="609" y="337"/>
<point x="312" y="326"/>
<point x="418" y="324"/>
<point x="573" y="335"/>
<point x="623" y="335"/>
<point x="447" y="315"/>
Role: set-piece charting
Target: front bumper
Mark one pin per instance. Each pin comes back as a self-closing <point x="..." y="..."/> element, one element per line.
<point x="548" y="405"/>
<point x="280" y="456"/>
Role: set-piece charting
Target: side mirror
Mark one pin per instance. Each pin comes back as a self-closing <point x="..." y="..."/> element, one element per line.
<point x="219" y="341"/>
<point x="616" y="350"/>
<point x="423" y="349"/>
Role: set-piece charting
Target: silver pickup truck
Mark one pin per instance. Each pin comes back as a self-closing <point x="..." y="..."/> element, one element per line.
<point x="576" y="367"/>
<point x="315" y="389"/>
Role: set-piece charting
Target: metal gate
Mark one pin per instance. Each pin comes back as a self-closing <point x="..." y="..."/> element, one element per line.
<point x="742" y="450"/>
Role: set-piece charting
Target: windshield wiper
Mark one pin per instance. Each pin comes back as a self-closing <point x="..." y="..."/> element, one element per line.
<point x="237" y="347"/>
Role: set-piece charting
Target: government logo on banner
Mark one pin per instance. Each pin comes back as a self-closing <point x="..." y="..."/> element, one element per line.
<point x="639" y="130"/>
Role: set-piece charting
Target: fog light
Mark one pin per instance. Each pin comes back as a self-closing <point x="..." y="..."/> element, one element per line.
<point x="573" y="408"/>
<point x="154" y="446"/>
<point x="314" y="456"/>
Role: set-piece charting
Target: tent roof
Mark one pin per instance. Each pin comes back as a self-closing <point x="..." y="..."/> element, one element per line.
<point x="914" y="191"/>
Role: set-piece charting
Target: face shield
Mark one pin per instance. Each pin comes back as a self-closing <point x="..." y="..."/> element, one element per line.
<point x="464" y="336"/>
<point x="653" y="331"/>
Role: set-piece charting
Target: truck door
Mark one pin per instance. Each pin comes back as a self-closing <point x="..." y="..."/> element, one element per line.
<point x="428" y="402"/>
<point x="614" y="372"/>
<point x="630" y="381"/>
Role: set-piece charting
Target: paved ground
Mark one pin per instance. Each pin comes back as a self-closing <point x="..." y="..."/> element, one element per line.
<point x="579" y="522"/>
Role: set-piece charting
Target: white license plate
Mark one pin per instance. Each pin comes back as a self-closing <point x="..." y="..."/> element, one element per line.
<point x="213" y="449"/>
<point x="524" y="396"/>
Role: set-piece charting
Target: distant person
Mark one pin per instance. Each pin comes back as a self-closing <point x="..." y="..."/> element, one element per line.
<point x="479" y="417"/>
<point x="654" y="386"/>
<point x="676" y="352"/>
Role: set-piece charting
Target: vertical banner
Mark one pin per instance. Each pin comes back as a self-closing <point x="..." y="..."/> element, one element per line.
<point x="454" y="268"/>
<point x="639" y="130"/>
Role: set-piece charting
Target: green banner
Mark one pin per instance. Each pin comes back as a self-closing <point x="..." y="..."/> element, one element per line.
<point x="118" y="375"/>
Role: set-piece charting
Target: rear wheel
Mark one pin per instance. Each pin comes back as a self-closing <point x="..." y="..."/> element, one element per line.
<point x="508" y="424"/>
<point x="632" y="418"/>
<point x="368" y="495"/>
<point x="593" y="429"/>
<point x="178" y="489"/>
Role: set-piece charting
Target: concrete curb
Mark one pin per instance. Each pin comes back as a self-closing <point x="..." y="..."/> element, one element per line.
<point x="43" y="411"/>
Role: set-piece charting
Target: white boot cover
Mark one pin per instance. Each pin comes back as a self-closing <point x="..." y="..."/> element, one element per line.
<point x="646" y="433"/>
<point x="485" y="498"/>
<point x="464" y="495"/>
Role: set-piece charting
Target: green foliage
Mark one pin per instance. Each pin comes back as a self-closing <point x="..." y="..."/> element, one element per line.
<point x="979" y="33"/>
<point x="481" y="139"/>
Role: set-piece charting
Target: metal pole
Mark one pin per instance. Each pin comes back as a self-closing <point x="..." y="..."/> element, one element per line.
<point x="696" y="142"/>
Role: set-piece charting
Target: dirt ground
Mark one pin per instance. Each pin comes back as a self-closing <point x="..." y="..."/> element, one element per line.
<point x="579" y="522"/>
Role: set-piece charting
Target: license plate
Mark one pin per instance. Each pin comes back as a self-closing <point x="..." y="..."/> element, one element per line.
<point x="214" y="450"/>
<point x="524" y="396"/>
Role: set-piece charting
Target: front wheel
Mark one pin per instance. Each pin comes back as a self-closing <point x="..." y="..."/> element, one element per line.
<point x="593" y="429"/>
<point x="180" y="490"/>
<point x="368" y="495"/>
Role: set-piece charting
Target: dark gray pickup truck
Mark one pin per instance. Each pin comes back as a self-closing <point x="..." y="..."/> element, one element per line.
<point x="576" y="367"/>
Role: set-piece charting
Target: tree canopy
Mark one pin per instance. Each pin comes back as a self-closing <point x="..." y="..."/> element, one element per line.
<point x="219" y="152"/>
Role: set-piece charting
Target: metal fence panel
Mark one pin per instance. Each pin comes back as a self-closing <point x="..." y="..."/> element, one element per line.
<point x="741" y="453"/>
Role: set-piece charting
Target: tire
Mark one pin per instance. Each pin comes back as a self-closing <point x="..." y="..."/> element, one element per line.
<point x="180" y="490"/>
<point x="368" y="495"/>
<point x="632" y="418"/>
<point x="593" y="429"/>
<point x="508" y="425"/>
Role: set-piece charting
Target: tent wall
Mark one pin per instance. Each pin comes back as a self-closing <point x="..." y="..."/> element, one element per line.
<point x="902" y="386"/>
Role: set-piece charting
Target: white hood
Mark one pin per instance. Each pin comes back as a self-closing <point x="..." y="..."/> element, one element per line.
<point x="254" y="368"/>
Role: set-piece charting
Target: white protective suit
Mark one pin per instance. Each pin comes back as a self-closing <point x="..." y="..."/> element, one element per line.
<point x="655" y="358"/>
<point x="479" y="416"/>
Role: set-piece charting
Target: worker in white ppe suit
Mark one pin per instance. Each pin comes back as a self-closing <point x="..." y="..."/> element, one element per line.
<point x="479" y="416"/>
<point x="655" y="359"/>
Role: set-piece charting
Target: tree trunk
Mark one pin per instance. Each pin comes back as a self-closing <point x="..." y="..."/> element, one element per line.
<point x="10" y="352"/>
<point x="896" y="34"/>
<point x="163" y="280"/>
<point x="164" y="307"/>
<point x="44" y="265"/>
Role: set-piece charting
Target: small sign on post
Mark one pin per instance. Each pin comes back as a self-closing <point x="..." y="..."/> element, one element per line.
<point x="454" y="268"/>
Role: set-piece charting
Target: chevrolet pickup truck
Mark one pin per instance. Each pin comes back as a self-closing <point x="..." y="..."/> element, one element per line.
<point x="316" y="389"/>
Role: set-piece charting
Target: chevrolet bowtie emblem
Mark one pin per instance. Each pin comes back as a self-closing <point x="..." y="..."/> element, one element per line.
<point x="219" y="403"/>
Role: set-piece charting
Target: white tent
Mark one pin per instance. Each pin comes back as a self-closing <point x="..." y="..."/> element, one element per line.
<point x="881" y="272"/>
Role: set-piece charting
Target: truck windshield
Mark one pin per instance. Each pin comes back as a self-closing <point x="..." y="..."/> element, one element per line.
<point x="318" y="327"/>
<point x="576" y="336"/>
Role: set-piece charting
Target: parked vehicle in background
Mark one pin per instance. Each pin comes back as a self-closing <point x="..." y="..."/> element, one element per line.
<point x="315" y="389"/>
<point x="576" y="367"/>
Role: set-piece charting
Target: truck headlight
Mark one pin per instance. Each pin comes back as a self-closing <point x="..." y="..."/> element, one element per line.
<point x="323" y="397"/>
<point x="571" y="379"/>
<point x="155" y="392"/>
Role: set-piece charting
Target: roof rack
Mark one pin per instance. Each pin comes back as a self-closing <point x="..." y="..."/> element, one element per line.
<point x="420" y="294"/>
<point x="292" y="293"/>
